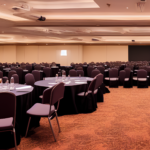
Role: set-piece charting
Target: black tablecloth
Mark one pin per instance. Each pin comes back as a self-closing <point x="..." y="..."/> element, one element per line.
<point x="69" y="104"/>
<point x="54" y="71"/>
<point x="24" y="101"/>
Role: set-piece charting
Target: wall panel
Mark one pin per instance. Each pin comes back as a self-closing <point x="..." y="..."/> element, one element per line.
<point x="32" y="54"/>
<point x="94" y="53"/>
<point x="20" y="54"/>
<point x="117" y="53"/>
<point x="9" y="54"/>
<point x="76" y="53"/>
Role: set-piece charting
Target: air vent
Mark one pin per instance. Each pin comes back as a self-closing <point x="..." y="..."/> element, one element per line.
<point x="94" y="39"/>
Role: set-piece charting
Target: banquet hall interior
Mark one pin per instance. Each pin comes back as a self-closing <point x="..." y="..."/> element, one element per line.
<point x="74" y="75"/>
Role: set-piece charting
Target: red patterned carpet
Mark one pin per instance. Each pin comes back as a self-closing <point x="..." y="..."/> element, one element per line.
<point x="122" y="122"/>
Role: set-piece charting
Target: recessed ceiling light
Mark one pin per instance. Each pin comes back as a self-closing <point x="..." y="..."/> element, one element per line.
<point x="2" y="31"/>
<point x="4" y="4"/>
<point x="127" y="7"/>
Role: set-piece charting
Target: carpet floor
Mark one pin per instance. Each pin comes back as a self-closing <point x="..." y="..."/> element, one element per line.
<point x="121" y="122"/>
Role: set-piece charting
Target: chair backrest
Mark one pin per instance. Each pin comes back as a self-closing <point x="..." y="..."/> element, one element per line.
<point x="113" y="73"/>
<point x="101" y="69"/>
<point x="57" y="94"/>
<point x="4" y="79"/>
<point x="13" y="68"/>
<point x="122" y="75"/>
<point x="46" y="95"/>
<point x="80" y="72"/>
<point x="1" y="68"/>
<point x="20" y="74"/>
<point x="8" y="105"/>
<point x="128" y="71"/>
<point x="29" y="79"/>
<point x="79" y="68"/>
<point x="29" y="68"/>
<point x="141" y="73"/>
<point x="92" y="86"/>
<point x="99" y="80"/>
<point x="94" y="73"/>
<point x="36" y="75"/>
<point x="11" y="73"/>
<point x="16" y="78"/>
<point x="89" y="70"/>
<point x="72" y="73"/>
<point x="47" y="71"/>
<point x="37" y="67"/>
<point x="1" y="74"/>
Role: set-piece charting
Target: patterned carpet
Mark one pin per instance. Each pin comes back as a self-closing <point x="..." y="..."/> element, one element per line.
<point x="122" y="122"/>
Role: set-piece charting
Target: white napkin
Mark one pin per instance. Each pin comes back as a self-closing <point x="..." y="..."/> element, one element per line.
<point x="80" y="82"/>
<point x="67" y="82"/>
<point x="24" y="88"/>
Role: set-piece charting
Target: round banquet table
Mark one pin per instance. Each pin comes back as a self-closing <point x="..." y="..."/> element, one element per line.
<point x="73" y="86"/>
<point x="24" y="101"/>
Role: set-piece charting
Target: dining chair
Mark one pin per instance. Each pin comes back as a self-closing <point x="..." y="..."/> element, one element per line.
<point x="8" y="113"/>
<point x="47" y="109"/>
<point x="94" y="73"/>
<point x="72" y="73"/>
<point x="20" y="74"/>
<point x="4" y="79"/>
<point x="122" y="75"/>
<point x="29" y="68"/>
<point x="1" y="74"/>
<point x="16" y="78"/>
<point x="89" y="70"/>
<point x="113" y="77"/>
<point x="128" y="77"/>
<point x="142" y="78"/>
<point x="86" y="101"/>
<point x="47" y="71"/>
<point x="80" y="72"/>
<point x="11" y="73"/>
<point x="101" y="69"/>
<point x="37" y="67"/>
<point x="36" y="75"/>
<point x="29" y="79"/>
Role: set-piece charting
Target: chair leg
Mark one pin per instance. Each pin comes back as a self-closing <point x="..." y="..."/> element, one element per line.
<point x="28" y="126"/>
<point x="57" y="121"/>
<point x="52" y="129"/>
<point x="15" y="138"/>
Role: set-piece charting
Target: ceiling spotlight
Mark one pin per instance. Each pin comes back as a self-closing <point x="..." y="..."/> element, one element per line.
<point x="127" y="7"/>
<point x="4" y="4"/>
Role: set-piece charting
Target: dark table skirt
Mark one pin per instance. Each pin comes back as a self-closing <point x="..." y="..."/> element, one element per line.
<point x="24" y="102"/>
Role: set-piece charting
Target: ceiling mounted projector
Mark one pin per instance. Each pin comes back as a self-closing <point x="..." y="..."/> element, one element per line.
<point x="42" y="18"/>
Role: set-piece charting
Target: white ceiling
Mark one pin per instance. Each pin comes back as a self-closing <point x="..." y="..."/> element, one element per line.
<point x="75" y="21"/>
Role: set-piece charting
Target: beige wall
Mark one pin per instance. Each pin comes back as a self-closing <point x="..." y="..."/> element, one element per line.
<point x="49" y="54"/>
<point x="8" y="54"/>
<point x="76" y="53"/>
<point x="105" y="53"/>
